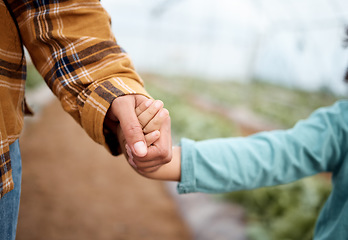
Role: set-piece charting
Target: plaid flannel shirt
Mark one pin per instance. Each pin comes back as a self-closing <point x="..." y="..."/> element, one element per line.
<point x="73" y="48"/>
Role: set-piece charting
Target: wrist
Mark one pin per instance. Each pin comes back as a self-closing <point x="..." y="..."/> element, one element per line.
<point x="170" y="171"/>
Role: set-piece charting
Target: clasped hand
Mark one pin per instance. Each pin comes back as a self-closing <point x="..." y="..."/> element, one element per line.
<point x="144" y="134"/>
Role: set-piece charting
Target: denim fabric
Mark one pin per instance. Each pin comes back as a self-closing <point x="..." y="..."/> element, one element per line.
<point x="9" y="204"/>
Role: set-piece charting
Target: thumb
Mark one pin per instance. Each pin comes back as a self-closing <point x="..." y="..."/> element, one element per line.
<point x="130" y="126"/>
<point x="133" y="133"/>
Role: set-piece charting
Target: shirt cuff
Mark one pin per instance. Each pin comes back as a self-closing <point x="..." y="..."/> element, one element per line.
<point x="93" y="110"/>
<point x="187" y="183"/>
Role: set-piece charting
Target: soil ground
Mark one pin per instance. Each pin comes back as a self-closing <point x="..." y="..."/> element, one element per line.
<point x="73" y="188"/>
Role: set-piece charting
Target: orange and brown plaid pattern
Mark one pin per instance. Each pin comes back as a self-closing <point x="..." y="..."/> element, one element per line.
<point x="73" y="48"/>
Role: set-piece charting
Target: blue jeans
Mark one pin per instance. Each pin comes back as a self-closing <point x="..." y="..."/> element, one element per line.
<point x="9" y="203"/>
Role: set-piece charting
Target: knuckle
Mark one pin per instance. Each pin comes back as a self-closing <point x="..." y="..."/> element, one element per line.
<point x="164" y="154"/>
<point x="165" y="113"/>
<point x="161" y="153"/>
<point x="168" y="158"/>
<point x="120" y="100"/>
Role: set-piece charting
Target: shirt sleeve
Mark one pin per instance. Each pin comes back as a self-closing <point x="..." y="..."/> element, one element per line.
<point x="315" y="145"/>
<point x="73" y="48"/>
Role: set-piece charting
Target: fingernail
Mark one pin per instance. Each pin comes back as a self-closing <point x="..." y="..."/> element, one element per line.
<point x="163" y="112"/>
<point x="140" y="148"/>
<point x="148" y="102"/>
<point x="158" y="104"/>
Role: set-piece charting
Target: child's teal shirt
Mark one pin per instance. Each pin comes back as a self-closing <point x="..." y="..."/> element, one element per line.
<point x="318" y="144"/>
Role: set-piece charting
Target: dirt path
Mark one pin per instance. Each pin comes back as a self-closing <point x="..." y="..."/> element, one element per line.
<point x="73" y="189"/>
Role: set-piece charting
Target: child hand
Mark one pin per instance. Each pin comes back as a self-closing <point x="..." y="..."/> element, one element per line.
<point x="151" y="115"/>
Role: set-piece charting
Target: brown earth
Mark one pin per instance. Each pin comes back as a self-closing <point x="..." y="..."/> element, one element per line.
<point x="73" y="188"/>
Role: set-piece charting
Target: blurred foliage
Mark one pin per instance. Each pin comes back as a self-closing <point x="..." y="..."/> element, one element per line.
<point x="34" y="79"/>
<point x="189" y="121"/>
<point x="285" y="212"/>
<point x="280" y="105"/>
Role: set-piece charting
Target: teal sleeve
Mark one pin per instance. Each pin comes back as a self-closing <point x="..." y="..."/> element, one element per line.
<point x="315" y="145"/>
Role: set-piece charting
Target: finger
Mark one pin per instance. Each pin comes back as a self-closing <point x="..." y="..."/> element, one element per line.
<point x="160" y="152"/>
<point x="133" y="134"/>
<point x="146" y="165"/>
<point x="143" y="106"/>
<point x="129" y="157"/>
<point x="148" y="170"/>
<point x="146" y="116"/>
<point x="152" y="137"/>
<point x="156" y="121"/>
<point x="124" y="109"/>
<point x="162" y="148"/>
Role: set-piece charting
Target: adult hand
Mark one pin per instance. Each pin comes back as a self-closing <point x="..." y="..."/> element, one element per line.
<point x="122" y="110"/>
<point x="160" y="151"/>
<point x="129" y="131"/>
<point x="159" y="147"/>
<point x="155" y="122"/>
